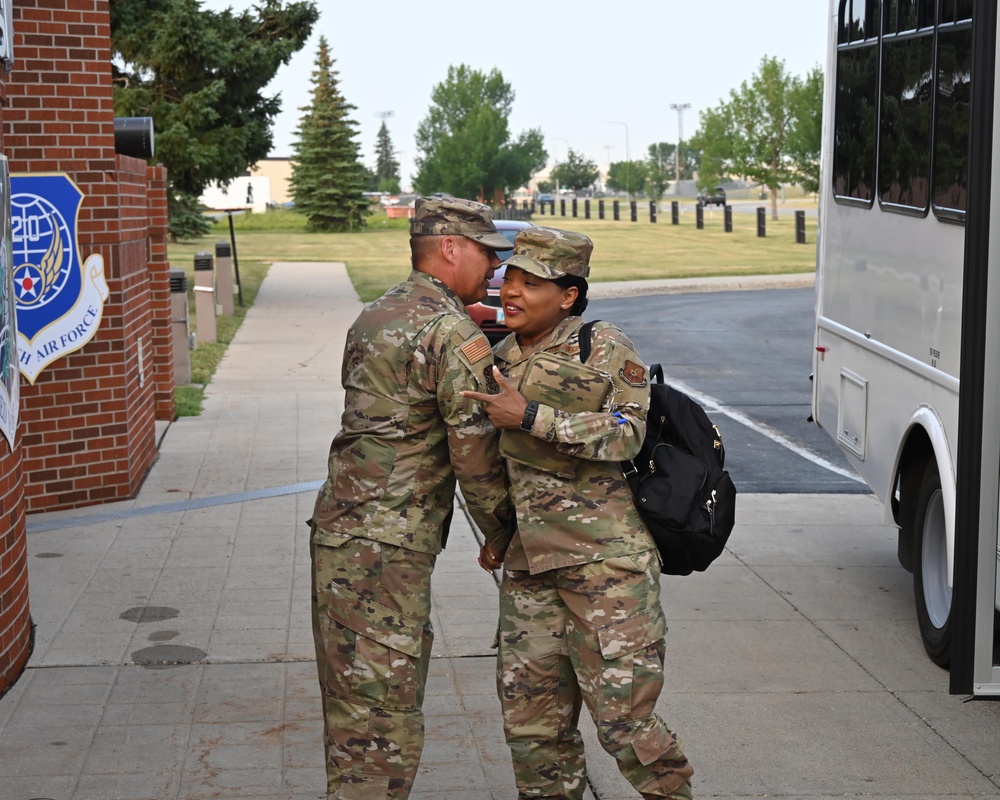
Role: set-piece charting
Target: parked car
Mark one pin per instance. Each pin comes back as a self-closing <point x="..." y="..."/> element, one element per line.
<point x="545" y="198"/>
<point x="717" y="197"/>
<point x="488" y="315"/>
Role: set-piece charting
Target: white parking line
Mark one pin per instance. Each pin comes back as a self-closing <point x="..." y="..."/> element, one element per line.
<point x="713" y="405"/>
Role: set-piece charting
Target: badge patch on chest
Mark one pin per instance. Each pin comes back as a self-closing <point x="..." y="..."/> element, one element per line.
<point x="492" y="387"/>
<point x="633" y="374"/>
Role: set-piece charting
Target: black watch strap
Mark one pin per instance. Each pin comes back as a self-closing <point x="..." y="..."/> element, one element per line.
<point x="529" y="415"/>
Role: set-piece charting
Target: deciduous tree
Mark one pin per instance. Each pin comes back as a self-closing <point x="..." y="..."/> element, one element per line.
<point x="327" y="176"/>
<point x="659" y="169"/>
<point x="464" y="142"/>
<point x="576" y="172"/>
<point x="805" y="139"/>
<point x="201" y="75"/>
<point x="627" y="176"/>
<point x="750" y="135"/>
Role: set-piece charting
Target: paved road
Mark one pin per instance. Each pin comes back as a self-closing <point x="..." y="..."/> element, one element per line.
<point x="751" y="352"/>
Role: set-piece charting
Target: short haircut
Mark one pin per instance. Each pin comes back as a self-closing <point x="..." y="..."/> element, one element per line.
<point x="421" y="248"/>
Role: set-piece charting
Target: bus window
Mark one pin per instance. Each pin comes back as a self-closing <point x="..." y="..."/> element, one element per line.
<point x="905" y="121"/>
<point x="909" y="15"/>
<point x="951" y="121"/>
<point x="956" y="10"/>
<point x="862" y="21"/>
<point x="854" y="123"/>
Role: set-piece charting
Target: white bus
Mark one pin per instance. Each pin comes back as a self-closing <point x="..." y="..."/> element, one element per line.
<point x="890" y="268"/>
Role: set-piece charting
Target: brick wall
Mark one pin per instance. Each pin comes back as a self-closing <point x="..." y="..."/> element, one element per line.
<point x="88" y="422"/>
<point x="15" y="619"/>
<point x="159" y="274"/>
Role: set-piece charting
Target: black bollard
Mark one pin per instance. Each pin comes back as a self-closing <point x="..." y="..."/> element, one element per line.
<point x="632" y="210"/>
<point x="699" y="216"/>
<point x="800" y="227"/>
<point x="562" y="206"/>
<point x="652" y="211"/>
<point x="675" y="213"/>
<point x="761" y="221"/>
<point x="600" y="209"/>
<point x="727" y="218"/>
<point x="615" y="207"/>
<point x="574" y="208"/>
<point x="586" y="208"/>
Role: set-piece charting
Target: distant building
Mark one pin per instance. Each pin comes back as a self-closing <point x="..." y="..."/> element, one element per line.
<point x="267" y="184"/>
<point x="278" y="172"/>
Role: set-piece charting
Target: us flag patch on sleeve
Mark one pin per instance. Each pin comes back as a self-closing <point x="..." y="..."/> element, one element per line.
<point x="477" y="349"/>
<point x="633" y="374"/>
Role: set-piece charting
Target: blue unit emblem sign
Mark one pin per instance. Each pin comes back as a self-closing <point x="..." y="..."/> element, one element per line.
<point x="60" y="295"/>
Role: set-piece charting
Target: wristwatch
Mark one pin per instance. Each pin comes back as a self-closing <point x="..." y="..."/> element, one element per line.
<point x="529" y="415"/>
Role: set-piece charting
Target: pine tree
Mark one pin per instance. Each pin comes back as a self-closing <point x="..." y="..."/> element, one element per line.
<point x="386" y="165"/>
<point x="327" y="177"/>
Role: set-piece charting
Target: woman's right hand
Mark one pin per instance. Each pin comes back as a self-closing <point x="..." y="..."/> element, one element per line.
<point x="505" y="409"/>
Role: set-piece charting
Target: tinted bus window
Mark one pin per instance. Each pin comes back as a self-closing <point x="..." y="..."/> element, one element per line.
<point x="909" y="15"/>
<point x="854" y="123"/>
<point x="905" y="121"/>
<point x="951" y="120"/>
<point x="956" y="10"/>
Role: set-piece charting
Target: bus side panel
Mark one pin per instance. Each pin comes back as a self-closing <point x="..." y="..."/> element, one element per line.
<point x="889" y="295"/>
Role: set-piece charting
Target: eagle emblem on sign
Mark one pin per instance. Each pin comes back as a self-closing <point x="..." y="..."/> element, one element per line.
<point x="59" y="295"/>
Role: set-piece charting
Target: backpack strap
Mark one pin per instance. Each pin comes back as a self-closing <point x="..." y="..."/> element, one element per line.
<point x="586" y="339"/>
<point x="655" y="372"/>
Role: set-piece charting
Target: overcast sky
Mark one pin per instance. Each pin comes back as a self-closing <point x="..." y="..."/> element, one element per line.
<point x="574" y="66"/>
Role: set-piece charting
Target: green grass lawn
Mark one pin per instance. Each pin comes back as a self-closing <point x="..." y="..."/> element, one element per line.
<point x="379" y="256"/>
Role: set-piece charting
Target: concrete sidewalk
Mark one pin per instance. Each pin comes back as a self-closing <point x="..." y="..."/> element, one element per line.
<point x="174" y="657"/>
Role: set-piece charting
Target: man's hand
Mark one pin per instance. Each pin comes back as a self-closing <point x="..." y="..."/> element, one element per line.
<point x="506" y="409"/>
<point x="489" y="558"/>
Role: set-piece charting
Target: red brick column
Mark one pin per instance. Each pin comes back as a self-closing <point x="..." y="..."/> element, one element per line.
<point x="15" y="619"/>
<point x="87" y="424"/>
<point x="159" y="273"/>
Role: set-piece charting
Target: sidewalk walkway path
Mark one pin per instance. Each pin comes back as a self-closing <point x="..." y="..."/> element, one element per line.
<point x="174" y="658"/>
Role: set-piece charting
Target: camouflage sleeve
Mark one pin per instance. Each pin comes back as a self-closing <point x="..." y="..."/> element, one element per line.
<point x="614" y="434"/>
<point x="466" y="365"/>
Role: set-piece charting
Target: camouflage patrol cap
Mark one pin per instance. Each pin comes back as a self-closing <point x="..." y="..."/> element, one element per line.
<point x="438" y="216"/>
<point x="551" y="253"/>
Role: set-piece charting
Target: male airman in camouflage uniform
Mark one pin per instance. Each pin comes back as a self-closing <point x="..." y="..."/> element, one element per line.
<point x="381" y="517"/>
<point x="580" y="614"/>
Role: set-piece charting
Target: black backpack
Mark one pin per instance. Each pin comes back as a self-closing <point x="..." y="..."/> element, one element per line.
<point x="680" y="486"/>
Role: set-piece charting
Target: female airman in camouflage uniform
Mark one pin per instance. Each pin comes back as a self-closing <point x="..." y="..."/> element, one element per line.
<point x="382" y="515"/>
<point x="580" y="615"/>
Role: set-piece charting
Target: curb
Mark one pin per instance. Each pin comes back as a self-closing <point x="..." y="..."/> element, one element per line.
<point x="599" y="291"/>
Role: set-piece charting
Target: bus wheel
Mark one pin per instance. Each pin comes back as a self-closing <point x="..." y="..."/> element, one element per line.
<point x="930" y="576"/>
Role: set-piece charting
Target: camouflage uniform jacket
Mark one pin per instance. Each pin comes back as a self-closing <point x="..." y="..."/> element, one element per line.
<point x="406" y="432"/>
<point x="565" y="521"/>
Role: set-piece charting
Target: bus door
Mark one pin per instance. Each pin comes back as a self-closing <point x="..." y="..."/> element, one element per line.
<point x="975" y="664"/>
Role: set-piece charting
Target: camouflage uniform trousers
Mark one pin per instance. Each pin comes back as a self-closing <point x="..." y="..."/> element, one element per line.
<point x="371" y="625"/>
<point x="591" y="633"/>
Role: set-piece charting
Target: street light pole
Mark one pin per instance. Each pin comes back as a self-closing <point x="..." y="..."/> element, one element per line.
<point x="628" y="159"/>
<point x="679" y="108"/>
<point x="556" y="156"/>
